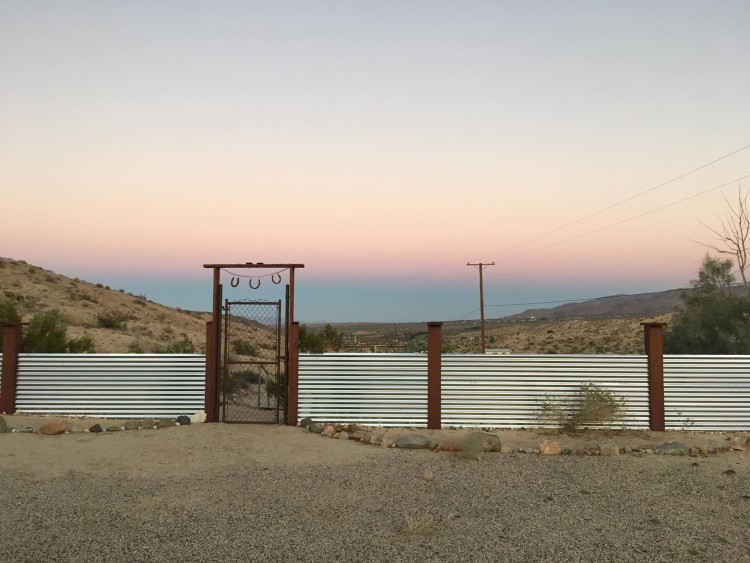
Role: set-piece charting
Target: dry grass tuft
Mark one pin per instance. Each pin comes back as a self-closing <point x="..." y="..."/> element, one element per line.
<point x="416" y="524"/>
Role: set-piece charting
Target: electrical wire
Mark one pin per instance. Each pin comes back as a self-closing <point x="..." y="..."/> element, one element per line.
<point x="626" y="200"/>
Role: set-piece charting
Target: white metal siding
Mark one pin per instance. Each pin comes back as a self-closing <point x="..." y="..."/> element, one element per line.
<point x="111" y="385"/>
<point x="505" y="391"/>
<point x="372" y="389"/>
<point x="707" y="392"/>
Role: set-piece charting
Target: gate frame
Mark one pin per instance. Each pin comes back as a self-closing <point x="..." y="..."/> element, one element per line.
<point x="213" y="340"/>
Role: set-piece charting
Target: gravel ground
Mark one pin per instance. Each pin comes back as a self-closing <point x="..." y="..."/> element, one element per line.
<point x="74" y="498"/>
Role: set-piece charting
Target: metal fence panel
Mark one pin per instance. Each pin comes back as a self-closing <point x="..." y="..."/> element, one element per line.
<point x="506" y="391"/>
<point x="707" y="392"/>
<point x="372" y="389"/>
<point x="111" y="385"/>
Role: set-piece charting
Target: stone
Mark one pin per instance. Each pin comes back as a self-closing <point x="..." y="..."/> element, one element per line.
<point x="198" y="417"/>
<point x="3" y="425"/>
<point x="428" y="475"/>
<point x="165" y="423"/>
<point x="183" y="420"/>
<point x="114" y="428"/>
<point x="694" y="452"/>
<point x="328" y="431"/>
<point x="627" y="450"/>
<point x="609" y="450"/>
<point x="54" y="428"/>
<point x="305" y="422"/>
<point x="506" y="450"/>
<point x="550" y="448"/>
<point x="132" y="425"/>
<point x="342" y="435"/>
<point x="149" y="423"/>
<point x="375" y="437"/>
<point x="316" y="427"/>
<point x="413" y="442"/>
<point x="673" y="448"/>
<point x="488" y="442"/>
<point x="387" y="441"/>
<point x="27" y="430"/>
<point x="96" y="428"/>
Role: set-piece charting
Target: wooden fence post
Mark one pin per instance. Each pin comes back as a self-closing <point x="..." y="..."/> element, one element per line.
<point x="434" y="372"/>
<point x="654" y="340"/>
<point x="212" y="392"/>
<point x="12" y="344"/>
<point x="292" y="406"/>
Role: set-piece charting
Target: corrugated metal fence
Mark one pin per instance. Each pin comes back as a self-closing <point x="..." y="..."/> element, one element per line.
<point x="373" y="389"/>
<point x="506" y="391"/>
<point x="111" y="385"/>
<point x="477" y="390"/>
<point x="707" y="392"/>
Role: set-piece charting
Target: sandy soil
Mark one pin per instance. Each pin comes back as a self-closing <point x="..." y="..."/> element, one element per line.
<point x="274" y="493"/>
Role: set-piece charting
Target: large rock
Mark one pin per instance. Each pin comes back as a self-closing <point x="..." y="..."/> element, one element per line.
<point x="549" y="447"/>
<point x="305" y="422"/>
<point x="413" y="442"/>
<point x="198" y="417"/>
<point x="54" y="428"/>
<point x="165" y="423"/>
<point x="183" y="420"/>
<point x="739" y="443"/>
<point x="3" y="425"/>
<point x="132" y="425"/>
<point x="486" y="441"/>
<point x="316" y="428"/>
<point x="96" y="428"/>
<point x="607" y="450"/>
<point x="673" y="448"/>
<point x="328" y="431"/>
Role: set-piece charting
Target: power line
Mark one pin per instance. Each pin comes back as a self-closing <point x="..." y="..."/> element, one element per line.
<point x="631" y="198"/>
<point x="600" y="229"/>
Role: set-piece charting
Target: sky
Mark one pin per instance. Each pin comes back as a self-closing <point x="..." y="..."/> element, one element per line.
<point x="381" y="144"/>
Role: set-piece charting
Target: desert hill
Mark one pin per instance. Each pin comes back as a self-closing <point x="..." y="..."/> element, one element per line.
<point x="121" y="322"/>
<point x="117" y="321"/>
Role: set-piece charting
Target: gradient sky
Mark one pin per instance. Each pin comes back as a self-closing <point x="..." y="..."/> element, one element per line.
<point x="382" y="144"/>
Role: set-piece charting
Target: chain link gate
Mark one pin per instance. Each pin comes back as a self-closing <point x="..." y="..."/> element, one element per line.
<point x="253" y="375"/>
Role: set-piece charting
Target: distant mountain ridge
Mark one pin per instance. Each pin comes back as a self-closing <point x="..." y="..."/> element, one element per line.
<point x="643" y="304"/>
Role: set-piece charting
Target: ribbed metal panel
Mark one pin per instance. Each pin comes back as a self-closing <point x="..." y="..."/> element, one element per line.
<point x="707" y="392"/>
<point x="111" y="385"/>
<point x="506" y="391"/>
<point x="372" y="389"/>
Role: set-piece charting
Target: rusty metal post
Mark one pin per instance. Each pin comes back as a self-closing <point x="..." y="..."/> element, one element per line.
<point x="12" y="344"/>
<point x="211" y="391"/>
<point x="434" y="372"/>
<point x="292" y="392"/>
<point x="654" y="342"/>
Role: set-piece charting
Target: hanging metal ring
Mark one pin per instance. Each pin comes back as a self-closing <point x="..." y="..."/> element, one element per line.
<point x="276" y="278"/>
<point x="254" y="286"/>
<point x="235" y="281"/>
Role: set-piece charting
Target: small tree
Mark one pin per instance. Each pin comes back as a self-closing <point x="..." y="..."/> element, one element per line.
<point x="713" y="321"/>
<point x="316" y="342"/>
<point x="47" y="334"/>
<point x="732" y="236"/>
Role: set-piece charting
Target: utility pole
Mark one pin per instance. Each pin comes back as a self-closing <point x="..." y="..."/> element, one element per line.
<point x="481" y="267"/>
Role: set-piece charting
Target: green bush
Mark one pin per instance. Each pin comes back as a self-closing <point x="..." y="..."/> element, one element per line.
<point x="81" y="345"/>
<point x="111" y="319"/>
<point x="47" y="333"/>
<point x="592" y="406"/>
<point x="182" y="346"/>
<point x="8" y="314"/>
<point x="244" y="348"/>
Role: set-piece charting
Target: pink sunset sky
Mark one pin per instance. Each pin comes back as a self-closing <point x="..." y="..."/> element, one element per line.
<point x="383" y="145"/>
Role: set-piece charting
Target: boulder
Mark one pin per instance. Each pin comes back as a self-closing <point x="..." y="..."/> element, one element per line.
<point x="305" y="422"/>
<point x="413" y="442"/>
<point x="316" y="427"/>
<point x="198" y="417"/>
<point x="328" y="431"/>
<point x="165" y="423"/>
<point x="487" y="441"/>
<point x="341" y="435"/>
<point x="3" y="425"/>
<point x="609" y="450"/>
<point x="550" y="447"/>
<point x="54" y="428"/>
<point x="183" y="420"/>
<point x="132" y="425"/>
<point x="739" y="443"/>
<point x="96" y="428"/>
<point x="673" y="448"/>
<point x="114" y="428"/>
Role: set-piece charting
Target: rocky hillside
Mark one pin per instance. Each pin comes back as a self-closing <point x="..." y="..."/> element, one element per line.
<point x="117" y="321"/>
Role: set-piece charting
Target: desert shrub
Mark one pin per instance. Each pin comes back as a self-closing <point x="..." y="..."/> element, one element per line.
<point x="8" y="314"/>
<point x="591" y="406"/>
<point x="111" y="319"/>
<point x="276" y="386"/>
<point x="81" y="345"/>
<point x="418" y="343"/>
<point x="47" y="333"/>
<point x="182" y="346"/>
<point x="244" y="348"/>
<point x="135" y="347"/>
<point x="416" y="524"/>
<point x="316" y="342"/>
<point x="473" y="446"/>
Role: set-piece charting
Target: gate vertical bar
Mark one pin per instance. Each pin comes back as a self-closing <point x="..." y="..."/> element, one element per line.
<point x="279" y="394"/>
<point x="654" y="342"/>
<point x="12" y="344"/>
<point x="434" y="374"/>
<point x="293" y="376"/>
